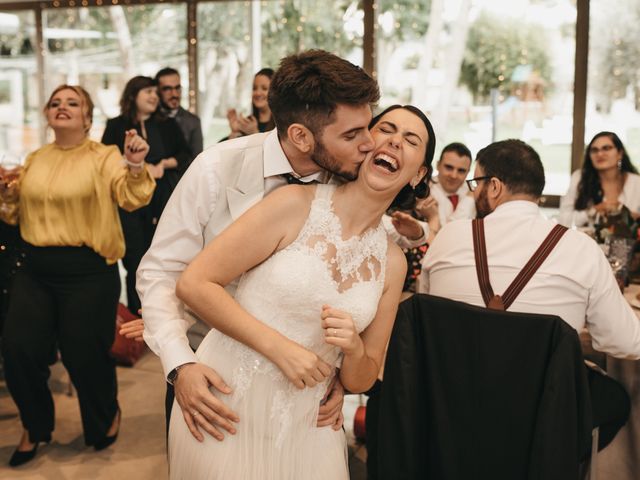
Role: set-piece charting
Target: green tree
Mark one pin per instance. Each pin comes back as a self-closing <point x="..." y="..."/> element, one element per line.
<point x="615" y="53"/>
<point x="293" y="26"/>
<point x="495" y="47"/>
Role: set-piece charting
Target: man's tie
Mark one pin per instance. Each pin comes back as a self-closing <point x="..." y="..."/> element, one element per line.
<point x="454" y="200"/>
<point x="295" y="180"/>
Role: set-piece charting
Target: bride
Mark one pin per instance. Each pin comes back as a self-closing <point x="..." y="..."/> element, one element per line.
<point x="320" y="289"/>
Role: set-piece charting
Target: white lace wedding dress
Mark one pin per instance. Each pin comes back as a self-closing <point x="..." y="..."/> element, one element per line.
<point x="277" y="437"/>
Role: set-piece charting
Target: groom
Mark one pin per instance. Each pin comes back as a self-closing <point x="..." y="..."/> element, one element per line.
<point x="321" y="105"/>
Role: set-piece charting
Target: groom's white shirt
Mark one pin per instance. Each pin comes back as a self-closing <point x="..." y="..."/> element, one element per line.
<point x="222" y="183"/>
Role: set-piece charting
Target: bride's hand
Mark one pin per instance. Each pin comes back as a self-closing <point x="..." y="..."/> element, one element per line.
<point x="301" y="366"/>
<point x="339" y="330"/>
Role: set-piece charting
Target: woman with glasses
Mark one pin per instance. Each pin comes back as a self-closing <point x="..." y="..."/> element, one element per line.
<point x="167" y="160"/>
<point x="607" y="181"/>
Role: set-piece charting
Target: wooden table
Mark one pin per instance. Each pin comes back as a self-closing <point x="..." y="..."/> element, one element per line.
<point x="621" y="459"/>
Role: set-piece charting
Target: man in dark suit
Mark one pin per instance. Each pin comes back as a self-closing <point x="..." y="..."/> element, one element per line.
<point x="169" y="91"/>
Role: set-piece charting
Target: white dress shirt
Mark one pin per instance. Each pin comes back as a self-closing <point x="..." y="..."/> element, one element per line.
<point x="569" y="216"/>
<point x="221" y="183"/>
<point x="575" y="282"/>
<point x="466" y="208"/>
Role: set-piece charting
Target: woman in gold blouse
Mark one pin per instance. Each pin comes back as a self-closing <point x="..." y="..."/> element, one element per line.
<point x="65" y="297"/>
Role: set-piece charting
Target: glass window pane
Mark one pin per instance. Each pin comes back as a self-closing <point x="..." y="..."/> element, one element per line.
<point x="237" y="38"/>
<point x="101" y="48"/>
<point x="294" y="25"/>
<point x="613" y="95"/>
<point x="447" y="56"/>
<point x="20" y="115"/>
<point x="225" y="67"/>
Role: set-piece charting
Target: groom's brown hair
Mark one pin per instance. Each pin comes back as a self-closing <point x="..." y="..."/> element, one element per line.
<point x="308" y="86"/>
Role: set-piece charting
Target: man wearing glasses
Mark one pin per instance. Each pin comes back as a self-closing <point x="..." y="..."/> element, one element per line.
<point x="575" y="281"/>
<point x="170" y="91"/>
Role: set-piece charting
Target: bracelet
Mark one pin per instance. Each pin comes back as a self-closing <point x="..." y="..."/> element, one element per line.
<point x="133" y="164"/>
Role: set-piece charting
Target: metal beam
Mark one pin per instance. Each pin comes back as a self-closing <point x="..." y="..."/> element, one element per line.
<point x="40" y="52"/>
<point x="580" y="84"/>
<point x="368" y="40"/>
<point x="192" y="54"/>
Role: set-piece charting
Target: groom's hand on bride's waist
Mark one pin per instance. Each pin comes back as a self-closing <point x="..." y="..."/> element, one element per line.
<point x="330" y="412"/>
<point x="200" y="408"/>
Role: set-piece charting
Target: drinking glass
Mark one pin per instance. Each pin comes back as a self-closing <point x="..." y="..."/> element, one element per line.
<point x="619" y="256"/>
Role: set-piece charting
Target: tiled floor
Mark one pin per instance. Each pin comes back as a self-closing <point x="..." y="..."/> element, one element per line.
<point x="138" y="453"/>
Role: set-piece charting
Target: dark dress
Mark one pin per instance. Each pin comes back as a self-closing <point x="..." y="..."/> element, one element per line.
<point x="165" y="140"/>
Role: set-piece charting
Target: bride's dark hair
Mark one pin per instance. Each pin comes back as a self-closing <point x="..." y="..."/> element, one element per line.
<point x="406" y="198"/>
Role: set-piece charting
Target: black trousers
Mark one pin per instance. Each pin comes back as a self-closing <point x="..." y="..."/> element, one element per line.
<point x="64" y="298"/>
<point x="138" y="231"/>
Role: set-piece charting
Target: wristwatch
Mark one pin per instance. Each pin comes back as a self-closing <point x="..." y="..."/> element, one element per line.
<point x="173" y="374"/>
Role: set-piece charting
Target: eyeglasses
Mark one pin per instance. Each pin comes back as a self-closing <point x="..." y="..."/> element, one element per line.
<point x="168" y="88"/>
<point x="473" y="183"/>
<point x="604" y="148"/>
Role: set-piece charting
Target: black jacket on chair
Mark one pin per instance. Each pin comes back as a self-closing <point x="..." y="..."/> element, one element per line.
<point x="472" y="393"/>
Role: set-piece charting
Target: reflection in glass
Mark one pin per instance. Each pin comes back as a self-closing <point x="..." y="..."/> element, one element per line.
<point x="19" y="110"/>
<point x="613" y="98"/>
<point x="101" y="48"/>
<point x="238" y="38"/>
<point x="451" y="58"/>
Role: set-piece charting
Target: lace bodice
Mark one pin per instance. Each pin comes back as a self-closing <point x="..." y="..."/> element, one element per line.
<point x="287" y="291"/>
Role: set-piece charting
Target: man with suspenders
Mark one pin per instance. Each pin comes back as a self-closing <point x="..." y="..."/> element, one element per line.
<point x="512" y="258"/>
<point x="531" y="263"/>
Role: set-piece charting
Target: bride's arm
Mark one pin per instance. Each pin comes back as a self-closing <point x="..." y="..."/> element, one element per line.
<point x="260" y="232"/>
<point x="363" y="354"/>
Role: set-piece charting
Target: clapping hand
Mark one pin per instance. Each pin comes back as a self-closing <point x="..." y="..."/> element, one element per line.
<point x="232" y="118"/>
<point x="339" y="330"/>
<point x="241" y="125"/>
<point x="135" y="147"/>
<point x="406" y="225"/>
<point x="427" y="207"/>
<point x="248" y="125"/>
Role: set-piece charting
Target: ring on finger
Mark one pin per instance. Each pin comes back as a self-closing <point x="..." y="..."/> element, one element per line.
<point x="195" y="413"/>
<point x="335" y="332"/>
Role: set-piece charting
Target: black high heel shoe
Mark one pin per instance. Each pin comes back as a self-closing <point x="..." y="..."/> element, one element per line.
<point x="20" y="458"/>
<point x="108" y="440"/>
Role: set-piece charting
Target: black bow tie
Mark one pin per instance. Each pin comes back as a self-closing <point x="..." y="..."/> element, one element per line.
<point x="295" y="180"/>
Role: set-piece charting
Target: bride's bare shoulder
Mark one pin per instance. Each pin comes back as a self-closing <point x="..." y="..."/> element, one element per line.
<point x="294" y="197"/>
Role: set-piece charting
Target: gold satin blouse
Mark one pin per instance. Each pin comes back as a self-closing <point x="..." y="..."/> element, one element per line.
<point x="69" y="197"/>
